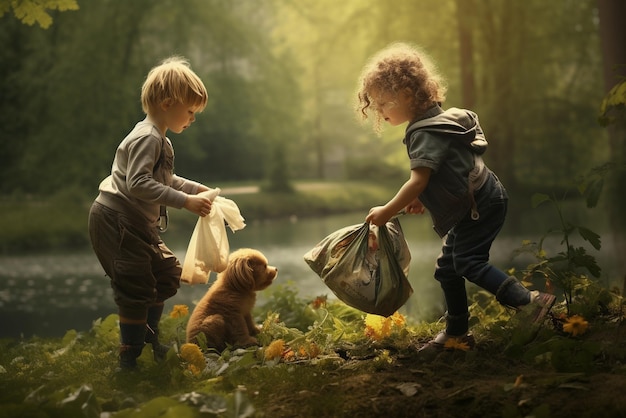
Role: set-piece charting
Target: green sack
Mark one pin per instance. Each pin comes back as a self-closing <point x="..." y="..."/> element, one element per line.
<point x="365" y="266"/>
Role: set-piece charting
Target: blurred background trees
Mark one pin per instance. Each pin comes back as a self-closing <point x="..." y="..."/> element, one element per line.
<point x="281" y="76"/>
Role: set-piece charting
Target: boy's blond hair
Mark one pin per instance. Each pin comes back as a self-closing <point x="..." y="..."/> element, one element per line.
<point x="398" y="67"/>
<point x="173" y="80"/>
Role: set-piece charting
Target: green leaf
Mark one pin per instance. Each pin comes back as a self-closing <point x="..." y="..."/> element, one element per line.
<point x="615" y="98"/>
<point x="157" y="407"/>
<point x="242" y="406"/>
<point x="590" y="236"/>
<point x="81" y="403"/>
<point x="32" y="11"/>
<point x="69" y="337"/>
<point x="205" y="403"/>
<point x="580" y="258"/>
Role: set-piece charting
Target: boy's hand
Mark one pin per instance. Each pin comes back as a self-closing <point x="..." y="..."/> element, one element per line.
<point x="199" y="205"/>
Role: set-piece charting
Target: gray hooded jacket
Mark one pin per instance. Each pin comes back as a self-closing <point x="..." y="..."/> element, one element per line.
<point x="451" y="143"/>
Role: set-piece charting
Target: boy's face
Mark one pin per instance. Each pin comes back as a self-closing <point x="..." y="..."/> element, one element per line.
<point x="393" y="108"/>
<point x="179" y="116"/>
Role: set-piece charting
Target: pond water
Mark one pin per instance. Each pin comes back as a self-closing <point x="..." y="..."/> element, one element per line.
<point x="46" y="295"/>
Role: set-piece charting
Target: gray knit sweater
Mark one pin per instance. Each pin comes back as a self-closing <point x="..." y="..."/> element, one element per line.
<point x="142" y="175"/>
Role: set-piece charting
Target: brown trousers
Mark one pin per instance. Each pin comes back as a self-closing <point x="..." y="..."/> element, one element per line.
<point x="143" y="271"/>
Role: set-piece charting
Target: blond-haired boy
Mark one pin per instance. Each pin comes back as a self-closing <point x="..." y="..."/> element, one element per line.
<point x="129" y="213"/>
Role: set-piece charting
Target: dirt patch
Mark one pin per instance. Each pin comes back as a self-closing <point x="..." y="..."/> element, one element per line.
<point x="479" y="383"/>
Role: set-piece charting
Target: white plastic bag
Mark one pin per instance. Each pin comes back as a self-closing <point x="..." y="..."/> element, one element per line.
<point x="208" y="247"/>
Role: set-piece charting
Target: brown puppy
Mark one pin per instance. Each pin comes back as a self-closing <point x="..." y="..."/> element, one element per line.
<point x="223" y="315"/>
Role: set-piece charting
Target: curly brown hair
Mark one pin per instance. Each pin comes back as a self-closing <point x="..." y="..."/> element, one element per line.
<point x="398" y="67"/>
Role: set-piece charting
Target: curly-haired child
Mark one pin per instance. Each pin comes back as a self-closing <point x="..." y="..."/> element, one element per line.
<point x="129" y="213"/>
<point x="448" y="177"/>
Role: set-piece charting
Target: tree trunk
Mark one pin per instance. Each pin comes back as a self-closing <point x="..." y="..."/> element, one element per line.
<point x="466" y="48"/>
<point x="612" y="15"/>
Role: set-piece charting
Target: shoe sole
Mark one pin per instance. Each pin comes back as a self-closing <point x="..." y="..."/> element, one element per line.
<point x="432" y="345"/>
<point x="547" y="301"/>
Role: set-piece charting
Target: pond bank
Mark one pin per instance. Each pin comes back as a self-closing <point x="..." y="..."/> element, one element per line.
<point x="59" y="222"/>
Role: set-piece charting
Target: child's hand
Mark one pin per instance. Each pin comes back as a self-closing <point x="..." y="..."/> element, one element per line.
<point x="199" y="205"/>
<point x="378" y="215"/>
<point x="415" y="206"/>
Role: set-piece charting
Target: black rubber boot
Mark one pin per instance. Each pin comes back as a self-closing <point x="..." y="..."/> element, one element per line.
<point x="457" y="324"/>
<point x="132" y="337"/>
<point x="152" y="333"/>
<point x="513" y="294"/>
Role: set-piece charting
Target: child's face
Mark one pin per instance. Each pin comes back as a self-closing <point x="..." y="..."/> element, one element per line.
<point x="179" y="116"/>
<point x="393" y="108"/>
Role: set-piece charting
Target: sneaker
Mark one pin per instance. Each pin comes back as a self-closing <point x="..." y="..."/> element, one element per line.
<point x="539" y="306"/>
<point x="439" y="342"/>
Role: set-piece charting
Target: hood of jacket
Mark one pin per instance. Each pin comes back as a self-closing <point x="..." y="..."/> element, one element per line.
<point x="459" y="123"/>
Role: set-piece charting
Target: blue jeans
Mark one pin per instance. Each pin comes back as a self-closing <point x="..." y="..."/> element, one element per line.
<point x="465" y="255"/>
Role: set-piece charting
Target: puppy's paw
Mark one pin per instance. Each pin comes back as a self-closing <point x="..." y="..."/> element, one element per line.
<point x="248" y="342"/>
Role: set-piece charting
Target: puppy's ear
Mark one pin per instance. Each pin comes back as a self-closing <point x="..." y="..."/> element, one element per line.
<point x="242" y="274"/>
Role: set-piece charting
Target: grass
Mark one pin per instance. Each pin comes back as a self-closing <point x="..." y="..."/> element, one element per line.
<point x="332" y="361"/>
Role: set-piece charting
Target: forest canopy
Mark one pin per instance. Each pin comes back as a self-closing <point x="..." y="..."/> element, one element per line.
<point x="281" y="77"/>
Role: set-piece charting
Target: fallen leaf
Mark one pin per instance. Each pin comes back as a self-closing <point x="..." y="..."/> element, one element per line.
<point x="408" y="388"/>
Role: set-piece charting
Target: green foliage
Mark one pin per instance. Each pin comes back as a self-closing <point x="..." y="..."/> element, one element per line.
<point x="278" y="178"/>
<point x="564" y="269"/>
<point x="35" y="225"/>
<point x="613" y="107"/>
<point x="31" y="11"/>
<point x="73" y="91"/>
<point x="75" y="376"/>
<point x="292" y="310"/>
<point x="565" y="354"/>
<point x="373" y="169"/>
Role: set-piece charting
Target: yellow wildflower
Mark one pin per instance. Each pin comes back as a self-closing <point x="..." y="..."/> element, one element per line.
<point x="378" y="327"/>
<point x="575" y="325"/>
<point x="456" y="344"/>
<point x="179" y="311"/>
<point x="313" y="350"/>
<point x="289" y="355"/>
<point x="275" y="349"/>
<point x="398" y="319"/>
<point x="194" y="370"/>
<point x="192" y="354"/>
